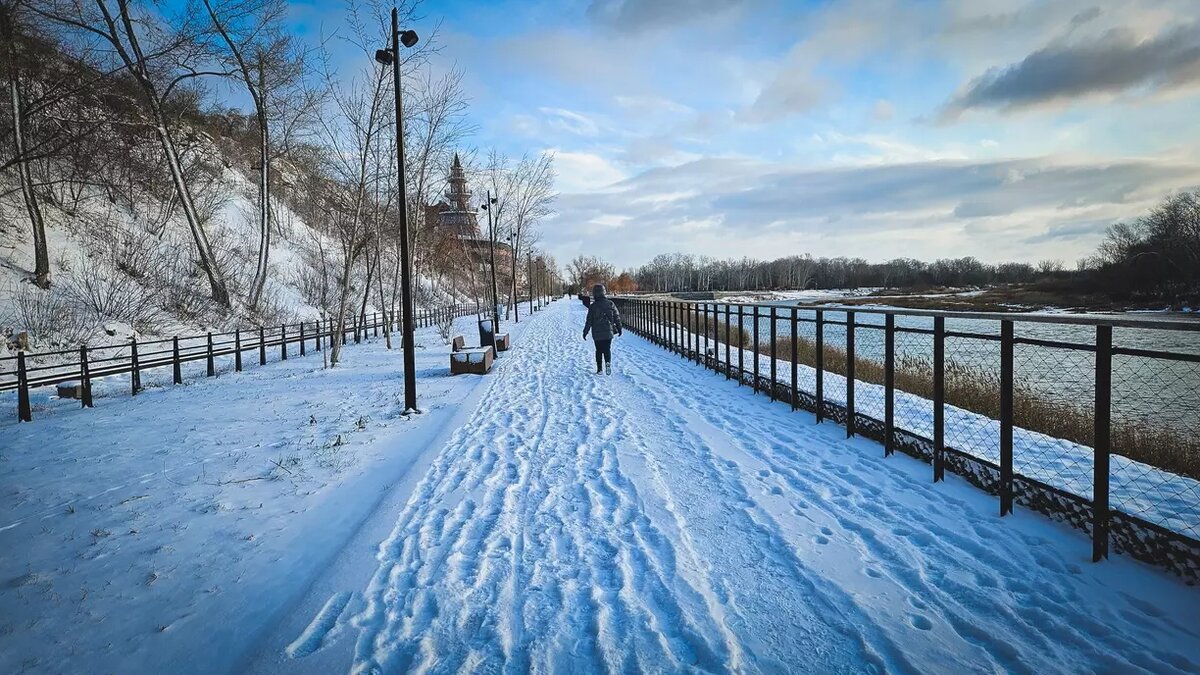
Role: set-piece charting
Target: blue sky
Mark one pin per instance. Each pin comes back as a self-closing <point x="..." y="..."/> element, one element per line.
<point x="876" y="128"/>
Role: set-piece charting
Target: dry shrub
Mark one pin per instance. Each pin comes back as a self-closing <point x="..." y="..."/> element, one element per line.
<point x="445" y="324"/>
<point x="47" y="315"/>
<point x="102" y="293"/>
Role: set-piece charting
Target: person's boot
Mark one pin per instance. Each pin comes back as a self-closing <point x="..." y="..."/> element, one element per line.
<point x="608" y="368"/>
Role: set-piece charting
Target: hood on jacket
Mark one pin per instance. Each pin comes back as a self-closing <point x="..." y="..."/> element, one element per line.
<point x="597" y="291"/>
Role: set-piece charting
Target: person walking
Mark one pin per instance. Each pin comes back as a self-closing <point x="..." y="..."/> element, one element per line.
<point x="603" y="321"/>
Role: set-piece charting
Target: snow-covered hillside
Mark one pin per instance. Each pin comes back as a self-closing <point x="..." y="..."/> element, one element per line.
<point x="120" y="270"/>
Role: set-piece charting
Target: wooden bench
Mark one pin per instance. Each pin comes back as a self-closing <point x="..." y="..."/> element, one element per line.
<point x="471" y="361"/>
<point x="503" y="343"/>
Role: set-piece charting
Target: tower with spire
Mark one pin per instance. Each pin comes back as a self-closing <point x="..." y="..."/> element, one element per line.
<point x="454" y="222"/>
<point x="454" y="214"/>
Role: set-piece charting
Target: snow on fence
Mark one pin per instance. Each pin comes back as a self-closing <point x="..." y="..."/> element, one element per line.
<point x="1025" y="417"/>
<point x="26" y="372"/>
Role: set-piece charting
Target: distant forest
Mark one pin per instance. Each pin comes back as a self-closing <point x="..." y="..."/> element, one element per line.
<point x="1154" y="257"/>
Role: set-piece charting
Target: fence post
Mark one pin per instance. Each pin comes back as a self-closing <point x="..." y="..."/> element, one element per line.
<point x="24" y="410"/>
<point x="212" y="366"/>
<point x="135" y="374"/>
<point x="717" y="336"/>
<point x="729" y="339"/>
<point x="709" y="341"/>
<point x="939" y="398"/>
<point x="687" y="331"/>
<point x="283" y="342"/>
<point x="176" y="366"/>
<point x="1103" y="442"/>
<point x="820" y="359"/>
<point x="1006" y="417"/>
<point x="262" y="346"/>
<point x="679" y="342"/>
<point x="755" y="348"/>
<point x="375" y="322"/>
<point x="742" y="347"/>
<point x="317" y="334"/>
<point x="85" y="378"/>
<point x="850" y="426"/>
<point x="694" y="328"/>
<point x="773" y="336"/>
<point x="237" y="350"/>
<point x="889" y="383"/>
<point x="302" y="349"/>
<point x="795" y="390"/>
<point x="357" y="328"/>
<point x="661" y="317"/>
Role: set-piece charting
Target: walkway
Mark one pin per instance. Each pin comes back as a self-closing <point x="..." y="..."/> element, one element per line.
<point x="663" y="519"/>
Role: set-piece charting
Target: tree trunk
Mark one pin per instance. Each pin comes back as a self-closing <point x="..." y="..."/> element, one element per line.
<point x="41" y="249"/>
<point x="264" y="211"/>
<point x="387" y="329"/>
<point x="136" y="64"/>
<point x="216" y="284"/>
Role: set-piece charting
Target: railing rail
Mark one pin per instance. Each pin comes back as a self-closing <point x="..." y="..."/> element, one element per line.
<point x="1080" y="429"/>
<point x="132" y="358"/>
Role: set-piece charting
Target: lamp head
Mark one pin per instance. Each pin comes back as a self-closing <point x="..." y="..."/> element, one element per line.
<point x="408" y="38"/>
<point x="384" y="56"/>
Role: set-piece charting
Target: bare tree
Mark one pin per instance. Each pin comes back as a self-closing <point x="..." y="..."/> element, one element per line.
<point x="159" y="57"/>
<point x="272" y="68"/>
<point x="351" y="129"/>
<point x="531" y="184"/>
<point x="13" y="66"/>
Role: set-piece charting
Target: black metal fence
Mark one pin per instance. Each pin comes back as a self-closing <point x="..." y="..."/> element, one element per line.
<point x="1091" y="421"/>
<point x="24" y="373"/>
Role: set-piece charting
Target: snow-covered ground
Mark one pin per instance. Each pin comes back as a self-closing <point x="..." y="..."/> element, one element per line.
<point x="171" y="528"/>
<point x="801" y="296"/>
<point x="661" y="519"/>
<point x="1143" y="490"/>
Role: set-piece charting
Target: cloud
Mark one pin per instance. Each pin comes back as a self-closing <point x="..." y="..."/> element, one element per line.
<point x="570" y="121"/>
<point x="1116" y="62"/>
<point x="883" y="110"/>
<point x="919" y="209"/>
<point x="584" y="172"/>
<point x="794" y="91"/>
<point x="643" y="14"/>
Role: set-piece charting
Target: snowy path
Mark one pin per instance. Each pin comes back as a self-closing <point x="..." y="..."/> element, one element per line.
<point x="663" y="519"/>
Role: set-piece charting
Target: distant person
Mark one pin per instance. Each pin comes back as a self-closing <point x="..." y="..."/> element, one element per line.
<point x="603" y="320"/>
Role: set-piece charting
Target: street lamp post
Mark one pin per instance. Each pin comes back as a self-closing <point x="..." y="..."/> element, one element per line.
<point x="487" y="206"/>
<point x="391" y="57"/>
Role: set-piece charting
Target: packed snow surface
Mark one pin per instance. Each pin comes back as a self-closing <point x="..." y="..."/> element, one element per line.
<point x="659" y="519"/>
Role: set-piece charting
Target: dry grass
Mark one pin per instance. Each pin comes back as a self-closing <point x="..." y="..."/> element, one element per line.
<point x="978" y="391"/>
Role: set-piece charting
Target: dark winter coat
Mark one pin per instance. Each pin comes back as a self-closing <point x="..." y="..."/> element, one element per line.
<point x="603" y="319"/>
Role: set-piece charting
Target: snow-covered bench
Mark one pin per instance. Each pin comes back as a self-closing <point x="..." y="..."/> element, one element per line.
<point x="503" y="343"/>
<point x="473" y="360"/>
